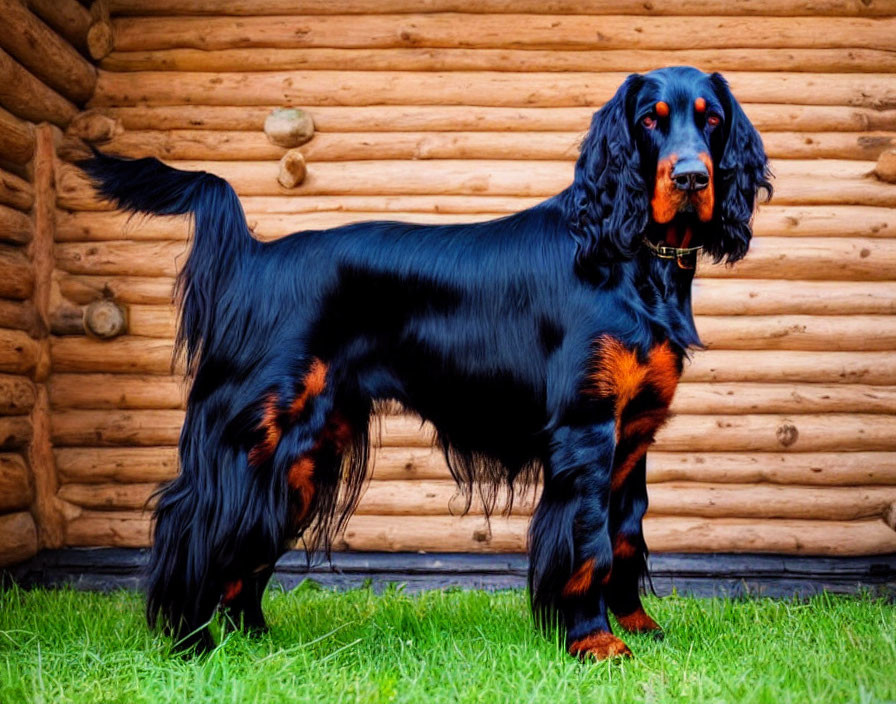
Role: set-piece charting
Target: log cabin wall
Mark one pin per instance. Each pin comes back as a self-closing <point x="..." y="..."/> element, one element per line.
<point x="46" y="79"/>
<point x="783" y="439"/>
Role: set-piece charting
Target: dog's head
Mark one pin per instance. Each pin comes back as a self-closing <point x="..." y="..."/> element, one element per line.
<point x="671" y="157"/>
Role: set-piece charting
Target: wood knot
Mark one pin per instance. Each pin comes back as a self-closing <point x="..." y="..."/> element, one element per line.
<point x="787" y="434"/>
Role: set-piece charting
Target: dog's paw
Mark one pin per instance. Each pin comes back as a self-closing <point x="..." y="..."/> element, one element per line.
<point x="639" y="622"/>
<point x="600" y="646"/>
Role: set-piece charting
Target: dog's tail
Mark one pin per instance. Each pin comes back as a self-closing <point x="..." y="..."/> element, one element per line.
<point x="221" y="237"/>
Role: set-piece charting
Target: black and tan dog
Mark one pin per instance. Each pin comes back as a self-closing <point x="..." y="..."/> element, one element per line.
<point x="548" y="342"/>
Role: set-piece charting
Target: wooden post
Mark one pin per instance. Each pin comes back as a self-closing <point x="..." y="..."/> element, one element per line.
<point x="100" y="39"/>
<point x="46" y="508"/>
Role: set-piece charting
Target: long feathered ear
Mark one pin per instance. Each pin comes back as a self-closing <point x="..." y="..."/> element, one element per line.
<point x="608" y="199"/>
<point x="741" y="172"/>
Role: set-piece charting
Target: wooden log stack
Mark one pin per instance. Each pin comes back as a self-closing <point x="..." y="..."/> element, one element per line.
<point x="46" y="79"/>
<point x="782" y="439"/>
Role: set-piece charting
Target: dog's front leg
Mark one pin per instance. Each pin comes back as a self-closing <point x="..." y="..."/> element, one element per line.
<point x="570" y="551"/>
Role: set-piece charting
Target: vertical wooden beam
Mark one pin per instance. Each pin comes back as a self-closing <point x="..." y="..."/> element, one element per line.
<point x="47" y="508"/>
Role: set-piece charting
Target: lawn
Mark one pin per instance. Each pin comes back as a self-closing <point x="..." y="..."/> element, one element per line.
<point x="446" y="646"/>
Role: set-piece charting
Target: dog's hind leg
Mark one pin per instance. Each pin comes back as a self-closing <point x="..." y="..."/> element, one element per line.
<point x="241" y="601"/>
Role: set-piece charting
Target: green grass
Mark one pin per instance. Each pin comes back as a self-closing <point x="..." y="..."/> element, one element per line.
<point x="446" y="646"/>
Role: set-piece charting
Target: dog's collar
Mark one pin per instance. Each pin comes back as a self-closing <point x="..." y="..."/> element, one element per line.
<point x="680" y="254"/>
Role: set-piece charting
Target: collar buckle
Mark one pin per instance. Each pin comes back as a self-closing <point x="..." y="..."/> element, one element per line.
<point x="665" y="251"/>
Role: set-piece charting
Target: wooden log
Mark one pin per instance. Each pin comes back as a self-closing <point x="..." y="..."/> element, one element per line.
<point x="802" y="468"/>
<point x="101" y="36"/>
<point x="16" y="395"/>
<point x="288" y="127"/>
<point x="18" y="538"/>
<point x="16" y="138"/>
<point x="745" y="397"/>
<point x="19" y="352"/>
<point x="27" y="97"/>
<point x="498" y="89"/>
<point x="122" y="391"/>
<point x="156" y="464"/>
<point x="125" y="289"/>
<point x="139" y="355"/>
<point x="67" y="17"/>
<point x="44" y="53"/>
<point x="461" y="59"/>
<point x="20" y="315"/>
<point x="15" y="191"/>
<point x="114" y="464"/>
<point x="439" y="498"/>
<point x="352" y="146"/>
<point x="15" y="226"/>
<point x="701" y="433"/>
<point x="784" y="258"/>
<point x="109" y="496"/>
<point x="15" y="487"/>
<point x="41" y="246"/>
<point x="763" y="501"/>
<point x="787" y="8"/>
<point x="122" y="355"/>
<point x="132" y="392"/>
<point x="799" y="468"/>
<point x="770" y="297"/>
<point x="797" y="183"/>
<point x="798" y="332"/>
<point x="276" y="216"/>
<point x="456" y="118"/>
<point x="16" y="276"/>
<point x="807" y="258"/>
<point x="108" y="529"/>
<point x="795" y="537"/>
<point x="793" y="367"/>
<point x="15" y="432"/>
<point x="793" y="332"/>
<point x="490" y="31"/>
<point x="663" y="534"/>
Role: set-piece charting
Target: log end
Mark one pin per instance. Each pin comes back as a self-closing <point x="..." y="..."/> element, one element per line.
<point x="292" y="169"/>
<point x="100" y="40"/>
<point x="886" y="166"/>
<point x="105" y="319"/>
<point x="93" y="126"/>
<point x="289" y="127"/>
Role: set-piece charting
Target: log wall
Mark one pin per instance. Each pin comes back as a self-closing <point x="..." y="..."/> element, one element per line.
<point x="783" y="436"/>
<point x="45" y="82"/>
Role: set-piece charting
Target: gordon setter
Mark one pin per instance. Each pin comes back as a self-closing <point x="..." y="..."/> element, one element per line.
<point x="546" y="343"/>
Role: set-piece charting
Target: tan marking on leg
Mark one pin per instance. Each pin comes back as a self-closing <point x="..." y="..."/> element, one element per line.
<point x="580" y="582"/>
<point x="271" y="427"/>
<point x="301" y="480"/>
<point x="600" y="646"/>
<point x="624" y="468"/>
<point x="638" y="622"/>
<point x="623" y="548"/>
<point x="232" y="591"/>
<point x="313" y="384"/>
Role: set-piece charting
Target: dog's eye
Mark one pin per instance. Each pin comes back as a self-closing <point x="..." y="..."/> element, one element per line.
<point x="649" y="122"/>
<point x="713" y="120"/>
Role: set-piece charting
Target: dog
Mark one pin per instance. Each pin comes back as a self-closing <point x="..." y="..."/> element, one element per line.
<point x="547" y="343"/>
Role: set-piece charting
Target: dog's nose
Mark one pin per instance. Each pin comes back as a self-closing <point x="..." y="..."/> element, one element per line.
<point x="690" y="175"/>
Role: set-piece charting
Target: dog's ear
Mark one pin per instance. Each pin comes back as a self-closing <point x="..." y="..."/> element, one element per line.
<point x="608" y="200"/>
<point x="741" y="172"/>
